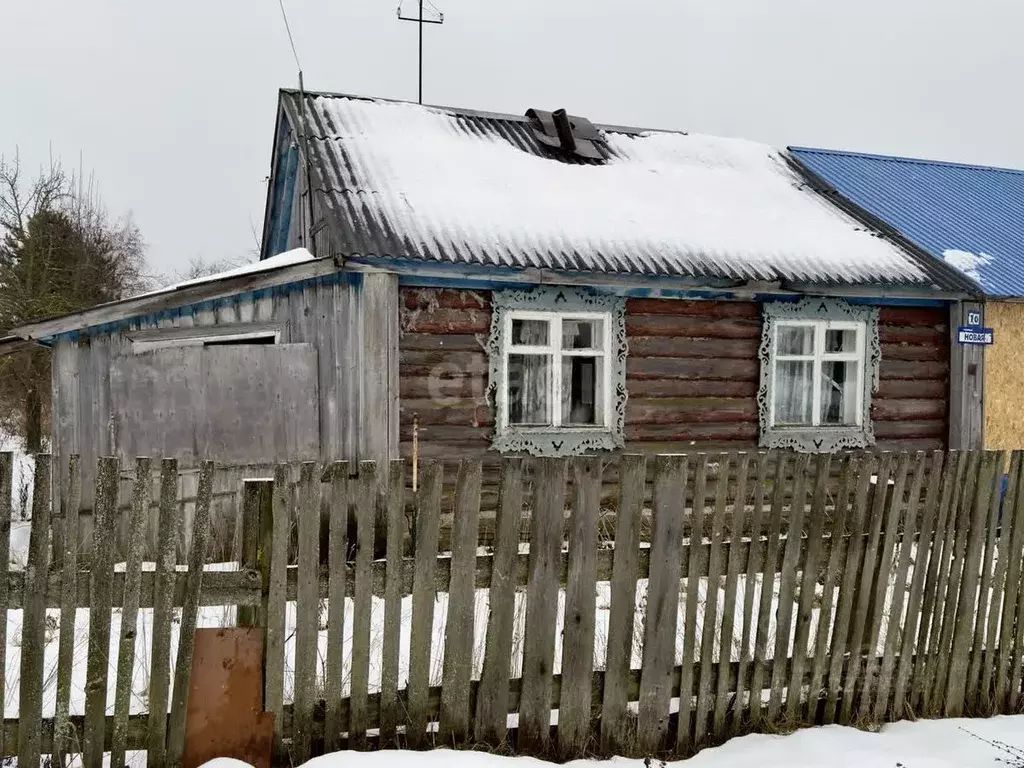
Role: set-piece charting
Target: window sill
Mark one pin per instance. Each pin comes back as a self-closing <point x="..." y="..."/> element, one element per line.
<point x="818" y="439"/>
<point x="563" y="441"/>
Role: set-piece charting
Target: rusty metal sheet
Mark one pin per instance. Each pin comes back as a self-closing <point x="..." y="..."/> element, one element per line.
<point x="225" y="715"/>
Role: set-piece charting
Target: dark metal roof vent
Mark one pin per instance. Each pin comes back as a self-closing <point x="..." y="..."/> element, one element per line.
<point x="567" y="133"/>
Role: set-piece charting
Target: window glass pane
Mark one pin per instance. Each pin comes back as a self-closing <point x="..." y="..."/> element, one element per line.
<point x="529" y="389"/>
<point x="794" y="397"/>
<point x="795" y="340"/>
<point x="582" y="390"/>
<point x="530" y="332"/>
<point x="839" y="392"/>
<point x="582" y="334"/>
<point x="844" y="340"/>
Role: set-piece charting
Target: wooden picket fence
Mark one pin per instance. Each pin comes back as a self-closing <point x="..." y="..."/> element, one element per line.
<point x="765" y="590"/>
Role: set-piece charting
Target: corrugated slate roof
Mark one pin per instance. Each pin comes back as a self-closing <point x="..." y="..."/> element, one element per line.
<point x="436" y="184"/>
<point x="969" y="216"/>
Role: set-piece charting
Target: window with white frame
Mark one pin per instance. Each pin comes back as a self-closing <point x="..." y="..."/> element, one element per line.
<point x="819" y="361"/>
<point x="557" y="371"/>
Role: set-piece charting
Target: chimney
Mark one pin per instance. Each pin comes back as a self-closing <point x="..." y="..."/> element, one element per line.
<point x="564" y="129"/>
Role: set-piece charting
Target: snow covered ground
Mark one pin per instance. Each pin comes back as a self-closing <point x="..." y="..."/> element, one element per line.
<point x="923" y="744"/>
<point x="21" y="486"/>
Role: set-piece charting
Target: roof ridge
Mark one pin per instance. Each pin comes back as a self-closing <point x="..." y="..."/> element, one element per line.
<point x="905" y="159"/>
<point x="477" y="113"/>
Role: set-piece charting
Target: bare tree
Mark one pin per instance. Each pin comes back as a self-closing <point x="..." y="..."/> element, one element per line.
<point x="60" y="251"/>
<point x="199" y="267"/>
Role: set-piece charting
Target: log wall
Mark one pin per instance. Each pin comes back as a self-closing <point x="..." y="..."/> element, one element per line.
<point x="692" y="375"/>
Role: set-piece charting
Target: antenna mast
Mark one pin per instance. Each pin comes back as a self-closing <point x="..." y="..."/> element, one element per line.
<point x="420" y="20"/>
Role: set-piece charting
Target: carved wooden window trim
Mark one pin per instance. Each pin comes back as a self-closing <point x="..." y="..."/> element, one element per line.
<point x="555" y="303"/>
<point x="821" y="313"/>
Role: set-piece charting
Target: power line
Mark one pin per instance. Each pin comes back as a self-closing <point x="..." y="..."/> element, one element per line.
<point x="288" y="29"/>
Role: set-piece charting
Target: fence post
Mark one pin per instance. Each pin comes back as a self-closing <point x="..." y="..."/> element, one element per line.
<point x="33" y="625"/>
<point x="101" y="578"/>
<point x="6" y="487"/>
<point x="257" y="532"/>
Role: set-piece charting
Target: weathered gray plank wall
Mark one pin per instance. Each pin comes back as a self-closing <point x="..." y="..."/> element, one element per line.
<point x="336" y="355"/>
<point x="967" y="379"/>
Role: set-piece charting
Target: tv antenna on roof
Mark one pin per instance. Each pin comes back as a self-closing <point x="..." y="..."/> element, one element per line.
<point x="434" y="17"/>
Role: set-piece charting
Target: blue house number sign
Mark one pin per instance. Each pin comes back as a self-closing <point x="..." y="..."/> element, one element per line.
<point x="973" y="334"/>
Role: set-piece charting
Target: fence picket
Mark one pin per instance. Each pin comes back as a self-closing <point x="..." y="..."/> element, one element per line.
<point x="966" y="612"/>
<point x="1014" y="697"/>
<point x="6" y="489"/>
<point x="307" y="611"/>
<point x="837" y="684"/>
<point x="984" y="625"/>
<point x="837" y="550"/>
<point x="256" y="496"/>
<point x="189" y="615"/>
<point x="428" y="521"/>
<point x="33" y="618"/>
<point x="767" y="590"/>
<point x="815" y="528"/>
<point x="273" y="647"/>
<point x="705" y="690"/>
<point x="925" y="543"/>
<point x="963" y="500"/>
<point x="100" y="589"/>
<point x="130" y="613"/>
<point x="863" y="610"/>
<point x="729" y="604"/>
<point x="580" y="609"/>
<point x="492" y="697"/>
<point x="622" y="611"/>
<point x="890" y="509"/>
<point x="899" y="587"/>
<point x="389" y="708"/>
<point x="163" y="613"/>
<point x="755" y="563"/>
<point x="458" y="632"/>
<point x="367" y="514"/>
<point x="542" y="604"/>
<point x="1013" y="515"/>
<point x="70" y="500"/>
<point x="337" y="551"/>
<point x="667" y="614"/>
<point x="787" y="584"/>
<point x="926" y="663"/>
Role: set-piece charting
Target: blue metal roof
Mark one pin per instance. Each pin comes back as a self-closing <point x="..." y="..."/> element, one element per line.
<point x="970" y="216"/>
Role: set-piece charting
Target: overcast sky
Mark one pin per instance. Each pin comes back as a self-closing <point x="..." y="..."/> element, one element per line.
<point x="172" y="104"/>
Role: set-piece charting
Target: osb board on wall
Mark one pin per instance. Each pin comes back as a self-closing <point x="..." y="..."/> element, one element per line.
<point x="1004" y="376"/>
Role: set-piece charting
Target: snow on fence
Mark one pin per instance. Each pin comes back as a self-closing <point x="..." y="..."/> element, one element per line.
<point x="713" y="595"/>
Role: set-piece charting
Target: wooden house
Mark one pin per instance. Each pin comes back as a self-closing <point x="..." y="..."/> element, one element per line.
<point x="534" y="284"/>
<point x="967" y="216"/>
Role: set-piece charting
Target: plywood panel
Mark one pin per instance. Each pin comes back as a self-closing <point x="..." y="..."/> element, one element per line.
<point x="241" y="404"/>
<point x="156" y="396"/>
<point x="261" y="403"/>
<point x="1004" y="373"/>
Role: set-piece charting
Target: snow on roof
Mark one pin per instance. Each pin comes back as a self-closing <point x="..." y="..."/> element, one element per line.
<point x="967" y="262"/>
<point x="420" y="182"/>
<point x="286" y="259"/>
